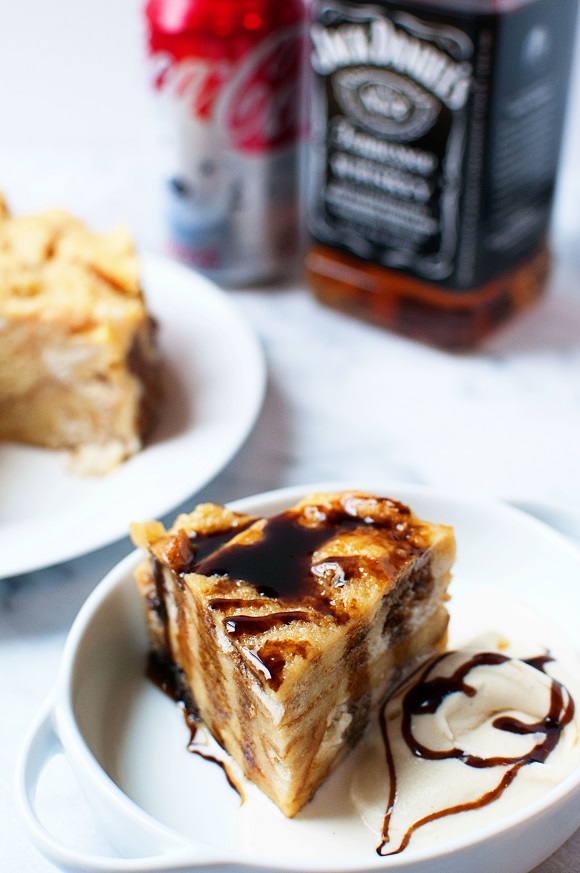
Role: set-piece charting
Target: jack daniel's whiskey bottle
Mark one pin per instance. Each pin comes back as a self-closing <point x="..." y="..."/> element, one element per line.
<point x="435" y="145"/>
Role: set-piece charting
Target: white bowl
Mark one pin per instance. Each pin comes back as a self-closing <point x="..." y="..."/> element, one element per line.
<point x="165" y="809"/>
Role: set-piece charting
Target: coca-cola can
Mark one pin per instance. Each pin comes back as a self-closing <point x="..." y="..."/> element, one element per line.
<point x="229" y="77"/>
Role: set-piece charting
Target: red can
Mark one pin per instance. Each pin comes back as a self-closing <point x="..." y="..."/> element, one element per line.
<point x="229" y="75"/>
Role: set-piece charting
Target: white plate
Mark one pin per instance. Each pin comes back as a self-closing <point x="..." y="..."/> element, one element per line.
<point x="216" y="366"/>
<point x="157" y="798"/>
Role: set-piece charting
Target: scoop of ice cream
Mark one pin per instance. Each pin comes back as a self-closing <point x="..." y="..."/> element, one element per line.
<point x="474" y="734"/>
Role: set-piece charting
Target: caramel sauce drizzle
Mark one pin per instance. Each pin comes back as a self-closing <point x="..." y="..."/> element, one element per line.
<point x="279" y="567"/>
<point x="240" y="625"/>
<point x="166" y="675"/>
<point x="427" y="695"/>
<point x="204" y="545"/>
<point x="195" y="748"/>
<point x="279" y="564"/>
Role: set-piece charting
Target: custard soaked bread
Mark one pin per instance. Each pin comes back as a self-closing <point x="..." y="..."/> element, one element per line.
<point x="288" y="635"/>
<point x="79" y="367"/>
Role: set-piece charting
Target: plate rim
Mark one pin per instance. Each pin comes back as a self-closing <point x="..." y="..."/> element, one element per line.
<point x="16" y="561"/>
<point x="119" y="576"/>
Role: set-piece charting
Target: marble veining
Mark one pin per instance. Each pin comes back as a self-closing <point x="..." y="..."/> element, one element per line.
<point x="344" y="400"/>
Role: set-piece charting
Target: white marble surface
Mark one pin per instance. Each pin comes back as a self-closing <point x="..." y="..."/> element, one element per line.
<point x="344" y="399"/>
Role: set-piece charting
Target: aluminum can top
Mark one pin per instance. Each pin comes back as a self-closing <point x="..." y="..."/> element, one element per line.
<point x="224" y="18"/>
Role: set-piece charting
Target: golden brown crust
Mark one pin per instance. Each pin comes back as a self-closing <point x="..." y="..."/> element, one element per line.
<point x="291" y="631"/>
<point x="79" y="366"/>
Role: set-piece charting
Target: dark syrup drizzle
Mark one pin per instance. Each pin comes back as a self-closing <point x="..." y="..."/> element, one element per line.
<point x="279" y="564"/>
<point x="191" y="549"/>
<point x="163" y="671"/>
<point x="196" y="548"/>
<point x="268" y="661"/>
<point x="427" y="695"/>
<point x="167" y="676"/>
<point x="239" y="625"/>
<point x="195" y="749"/>
<point x="204" y="545"/>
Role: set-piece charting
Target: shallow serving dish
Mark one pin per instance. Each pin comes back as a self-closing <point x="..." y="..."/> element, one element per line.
<point x="166" y="809"/>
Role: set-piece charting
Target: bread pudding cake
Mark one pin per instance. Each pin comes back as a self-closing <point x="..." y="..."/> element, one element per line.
<point x="79" y="367"/>
<point x="285" y="633"/>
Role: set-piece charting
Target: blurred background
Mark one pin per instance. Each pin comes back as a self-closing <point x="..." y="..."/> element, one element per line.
<point x="78" y="129"/>
<point x="74" y="82"/>
<point x="74" y="85"/>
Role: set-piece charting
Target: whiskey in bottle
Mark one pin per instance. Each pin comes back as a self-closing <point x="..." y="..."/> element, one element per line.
<point x="436" y="130"/>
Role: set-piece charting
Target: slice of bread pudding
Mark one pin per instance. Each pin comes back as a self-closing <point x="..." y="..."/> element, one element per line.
<point x="287" y="632"/>
<point x="79" y="367"/>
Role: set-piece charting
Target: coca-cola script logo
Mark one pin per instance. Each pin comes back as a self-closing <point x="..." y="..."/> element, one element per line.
<point x="257" y="102"/>
<point x="195" y="83"/>
<point x="262" y="106"/>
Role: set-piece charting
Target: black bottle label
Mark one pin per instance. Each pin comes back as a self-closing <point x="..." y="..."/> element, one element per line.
<point x="435" y="136"/>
